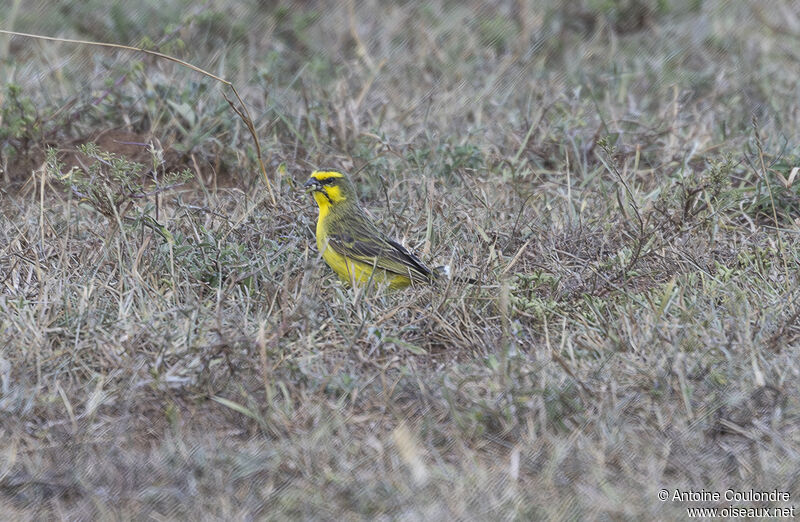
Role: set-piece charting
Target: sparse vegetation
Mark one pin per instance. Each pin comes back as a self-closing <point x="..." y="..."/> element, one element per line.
<point x="621" y="176"/>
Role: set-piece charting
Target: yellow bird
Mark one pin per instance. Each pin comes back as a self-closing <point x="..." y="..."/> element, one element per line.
<point x="353" y="246"/>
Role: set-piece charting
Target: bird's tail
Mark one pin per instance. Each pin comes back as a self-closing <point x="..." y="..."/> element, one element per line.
<point x="444" y="271"/>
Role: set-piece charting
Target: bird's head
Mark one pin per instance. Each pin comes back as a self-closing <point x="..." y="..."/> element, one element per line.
<point x="330" y="188"/>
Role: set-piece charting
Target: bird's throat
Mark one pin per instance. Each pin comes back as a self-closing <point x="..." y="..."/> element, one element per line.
<point x="324" y="204"/>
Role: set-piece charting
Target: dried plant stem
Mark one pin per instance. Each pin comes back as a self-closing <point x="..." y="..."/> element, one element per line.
<point x="243" y="112"/>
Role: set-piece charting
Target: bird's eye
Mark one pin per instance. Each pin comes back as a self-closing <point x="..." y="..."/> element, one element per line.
<point x="327" y="181"/>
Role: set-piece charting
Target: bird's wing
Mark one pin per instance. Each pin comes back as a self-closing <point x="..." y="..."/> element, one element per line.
<point x="382" y="253"/>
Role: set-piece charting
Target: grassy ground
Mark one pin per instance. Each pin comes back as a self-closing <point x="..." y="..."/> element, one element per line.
<point x="618" y="175"/>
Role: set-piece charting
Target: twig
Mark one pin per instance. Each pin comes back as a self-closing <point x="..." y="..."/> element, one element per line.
<point x="763" y="175"/>
<point x="243" y="112"/>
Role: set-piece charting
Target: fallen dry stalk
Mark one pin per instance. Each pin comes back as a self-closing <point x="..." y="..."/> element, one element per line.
<point x="243" y="113"/>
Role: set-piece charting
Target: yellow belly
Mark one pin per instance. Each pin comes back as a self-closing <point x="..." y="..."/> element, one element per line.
<point x="355" y="272"/>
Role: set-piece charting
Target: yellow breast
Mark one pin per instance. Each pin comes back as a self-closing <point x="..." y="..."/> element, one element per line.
<point x="349" y="270"/>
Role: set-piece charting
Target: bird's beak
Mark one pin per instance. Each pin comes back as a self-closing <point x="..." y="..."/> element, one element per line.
<point x="311" y="185"/>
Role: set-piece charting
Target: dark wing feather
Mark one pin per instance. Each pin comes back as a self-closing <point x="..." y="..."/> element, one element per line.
<point x="384" y="253"/>
<point x="411" y="259"/>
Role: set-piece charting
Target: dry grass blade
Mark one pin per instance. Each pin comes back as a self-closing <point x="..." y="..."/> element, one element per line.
<point x="177" y="349"/>
<point x="243" y="113"/>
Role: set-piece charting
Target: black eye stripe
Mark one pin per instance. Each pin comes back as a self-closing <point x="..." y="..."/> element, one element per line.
<point x="327" y="181"/>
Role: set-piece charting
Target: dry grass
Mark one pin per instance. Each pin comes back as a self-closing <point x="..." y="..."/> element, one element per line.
<point x="619" y="177"/>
